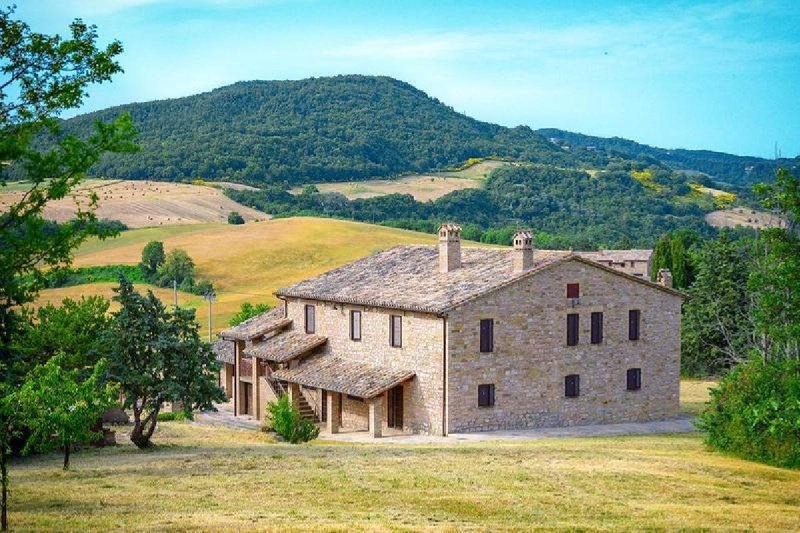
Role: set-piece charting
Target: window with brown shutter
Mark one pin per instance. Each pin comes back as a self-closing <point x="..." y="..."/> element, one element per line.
<point x="634" y="378"/>
<point x="597" y="328"/>
<point x="634" y="319"/>
<point x="355" y="325"/>
<point x="310" y="319"/>
<point x="573" y="290"/>
<point x="487" y="335"/>
<point x="486" y="395"/>
<point x="395" y="331"/>
<point x="573" y="322"/>
<point x="572" y="386"/>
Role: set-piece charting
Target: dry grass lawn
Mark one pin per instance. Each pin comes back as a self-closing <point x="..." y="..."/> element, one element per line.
<point x="201" y="478"/>
<point x="742" y="216"/>
<point x="422" y="187"/>
<point x="142" y="203"/>
<point x="246" y="263"/>
<point x="694" y="395"/>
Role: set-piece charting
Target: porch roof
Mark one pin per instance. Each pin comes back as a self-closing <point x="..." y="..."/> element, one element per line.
<point x="257" y="326"/>
<point x="285" y="346"/>
<point x="223" y="350"/>
<point x="337" y="374"/>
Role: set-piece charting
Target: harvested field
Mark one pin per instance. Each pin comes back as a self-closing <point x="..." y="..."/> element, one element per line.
<point x="141" y="204"/>
<point x="743" y="216"/>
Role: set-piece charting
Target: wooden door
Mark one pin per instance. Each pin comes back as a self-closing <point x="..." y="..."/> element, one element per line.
<point x="246" y="392"/>
<point x="395" y="408"/>
<point x="324" y="410"/>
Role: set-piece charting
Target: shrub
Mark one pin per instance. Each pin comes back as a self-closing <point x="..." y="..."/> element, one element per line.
<point x="176" y="416"/>
<point x="248" y="310"/>
<point x="755" y="412"/>
<point x="235" y="218"/>
<point x="287" y="422"/>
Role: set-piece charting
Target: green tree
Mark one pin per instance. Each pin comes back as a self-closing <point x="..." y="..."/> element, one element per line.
<point x="680" y="264"/>
<point x="156" y="357"/>
<point x="248" y="310"/>
<point x="177" y="267"/>
<point x="717" y="329"/>
<point x="152" y="258"/>
<point x="662" y="256"/>
<point x="42" y="76"/>
<point x="74" y="329"/>
<point x="235" y="218"/>
<point x="60" y="409"/>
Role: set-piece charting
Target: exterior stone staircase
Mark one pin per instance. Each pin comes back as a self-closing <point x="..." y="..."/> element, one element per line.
<point x="281" y="387"/>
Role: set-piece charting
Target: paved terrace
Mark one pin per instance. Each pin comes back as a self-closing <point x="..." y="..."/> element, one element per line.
<point x="224" y="417"/>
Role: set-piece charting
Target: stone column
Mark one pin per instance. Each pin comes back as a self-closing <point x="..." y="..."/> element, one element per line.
<point x="376" y="416"/>
<point x="294" y="395"/>
<point x="334" y="421"/>
<point x="237" y="360"/>
<point x="256" y="396"/>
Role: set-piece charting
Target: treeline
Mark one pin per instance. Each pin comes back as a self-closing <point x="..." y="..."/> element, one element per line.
<point x="566" y="208"/>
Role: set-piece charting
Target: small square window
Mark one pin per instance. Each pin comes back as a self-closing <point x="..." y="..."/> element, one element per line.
<point x="573" y="290"/>
<point x="634" y="378"/>
<point x="486" y="395"/>
<point x="572" y="386"/>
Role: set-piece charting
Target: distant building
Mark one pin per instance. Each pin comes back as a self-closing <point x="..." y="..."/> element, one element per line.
<point x="443" y="339"/>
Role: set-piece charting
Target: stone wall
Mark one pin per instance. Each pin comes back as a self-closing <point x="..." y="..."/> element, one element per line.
<point x="422" y="352"/>
<point x="531" y="358"/>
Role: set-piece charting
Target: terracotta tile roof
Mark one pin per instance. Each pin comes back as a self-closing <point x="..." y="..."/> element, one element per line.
<point x="617" y="256"/>
<point x="408" y="277"/>
<point x="336" y="374"/>
<point x="223" y="350"/>
<point x="257" y="326"/>
<point x="285" y="346"/>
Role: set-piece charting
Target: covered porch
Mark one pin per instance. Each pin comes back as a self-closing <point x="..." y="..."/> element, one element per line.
<point x="362" y="393"/>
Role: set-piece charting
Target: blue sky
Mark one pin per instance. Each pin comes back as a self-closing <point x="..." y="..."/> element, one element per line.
<point x="713" y="75"/>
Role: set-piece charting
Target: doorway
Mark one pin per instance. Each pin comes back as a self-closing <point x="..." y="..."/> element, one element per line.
<point x="395" y="408"/>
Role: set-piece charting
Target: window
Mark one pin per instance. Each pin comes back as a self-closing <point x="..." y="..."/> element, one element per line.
<point x="634" y="378"/>
<point x="395" y="331"/>
<point x="597" y="328"/>
<point x="486" y="395"/>
<point x="572" y="386"/>
<point x="355" y="325"/>
<point x="573" y="290"/>
<point x="573" y="322"/>
<point x="487" y="335"/>
<point x="310" y="322"/>
<point x="634" y="318"/>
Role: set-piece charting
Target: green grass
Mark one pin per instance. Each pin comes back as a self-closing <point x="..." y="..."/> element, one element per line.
<point x="202" y="479"/>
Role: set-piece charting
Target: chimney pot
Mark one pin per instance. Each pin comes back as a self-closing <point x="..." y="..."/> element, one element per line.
<point x="523" y="250"/>
<point x="449" y="247"/>
<point x="665" y="277"/>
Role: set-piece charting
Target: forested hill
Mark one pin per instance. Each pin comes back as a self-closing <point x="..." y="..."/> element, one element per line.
<point x="317" y="129"/>
<point x="722" y="167"/>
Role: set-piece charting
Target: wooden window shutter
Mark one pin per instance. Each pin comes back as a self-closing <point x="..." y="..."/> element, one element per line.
<point x="597" y="328"/>
<point x="573" y="323"/>
<point x="634" y="378"/>
<point x="487" y="335"/>
<point x="486" y="395"/>
<point x="310" y="319"/>
<point x="572" y="386"/>
<point x="395" y="331"/>
<point x="355" y="325"/>
<point x="634" y="319"/>
<point x="573" y="290"/>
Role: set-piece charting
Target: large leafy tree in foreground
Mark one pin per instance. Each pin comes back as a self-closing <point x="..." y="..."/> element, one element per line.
<point x="40" y="77"/>
<point x="157" y="356"/>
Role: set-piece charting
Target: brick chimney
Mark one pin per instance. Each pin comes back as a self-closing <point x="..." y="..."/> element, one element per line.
<point x="449" y="247"/>
<point x="665" y="277"/>
<point x="523" y="250"/>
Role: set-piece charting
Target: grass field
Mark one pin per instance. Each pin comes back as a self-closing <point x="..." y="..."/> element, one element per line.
<point x="422" y="187"/>
<point x="743" y="216"/>
<point x="142" y="203"/>
<point x="246" y="263"/>
<point x="202" y="478"/>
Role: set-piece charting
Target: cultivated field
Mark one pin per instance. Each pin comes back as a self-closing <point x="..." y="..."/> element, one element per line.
<point x="422" y="187"/>
<point x="246" y="263"/>
<point x="202" y="478"/>
<point x="743" y="216"/>
<point x="142" y="203"/>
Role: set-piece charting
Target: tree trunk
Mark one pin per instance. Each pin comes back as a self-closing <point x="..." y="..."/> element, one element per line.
<point x="143" y="429"/>
<point x="4" y="482"/>
<point x="66" y="456"/>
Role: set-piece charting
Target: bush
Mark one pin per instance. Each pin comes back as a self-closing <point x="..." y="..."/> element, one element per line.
<point x="248" y="310"/>
<point x="235" y="218"/>
<point x="176" y="416"/>
<point x="755" y="412"/>
<point x="287" y="422"/>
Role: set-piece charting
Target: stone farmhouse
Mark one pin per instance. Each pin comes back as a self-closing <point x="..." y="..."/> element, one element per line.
<point x="446" y="339"/>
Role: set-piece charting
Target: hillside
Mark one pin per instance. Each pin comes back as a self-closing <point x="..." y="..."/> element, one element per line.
<point x="246" y="263"/>
<point x="721" y="167"/>
<point x="139" y="204"/>
<point x="318" y="129"/>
